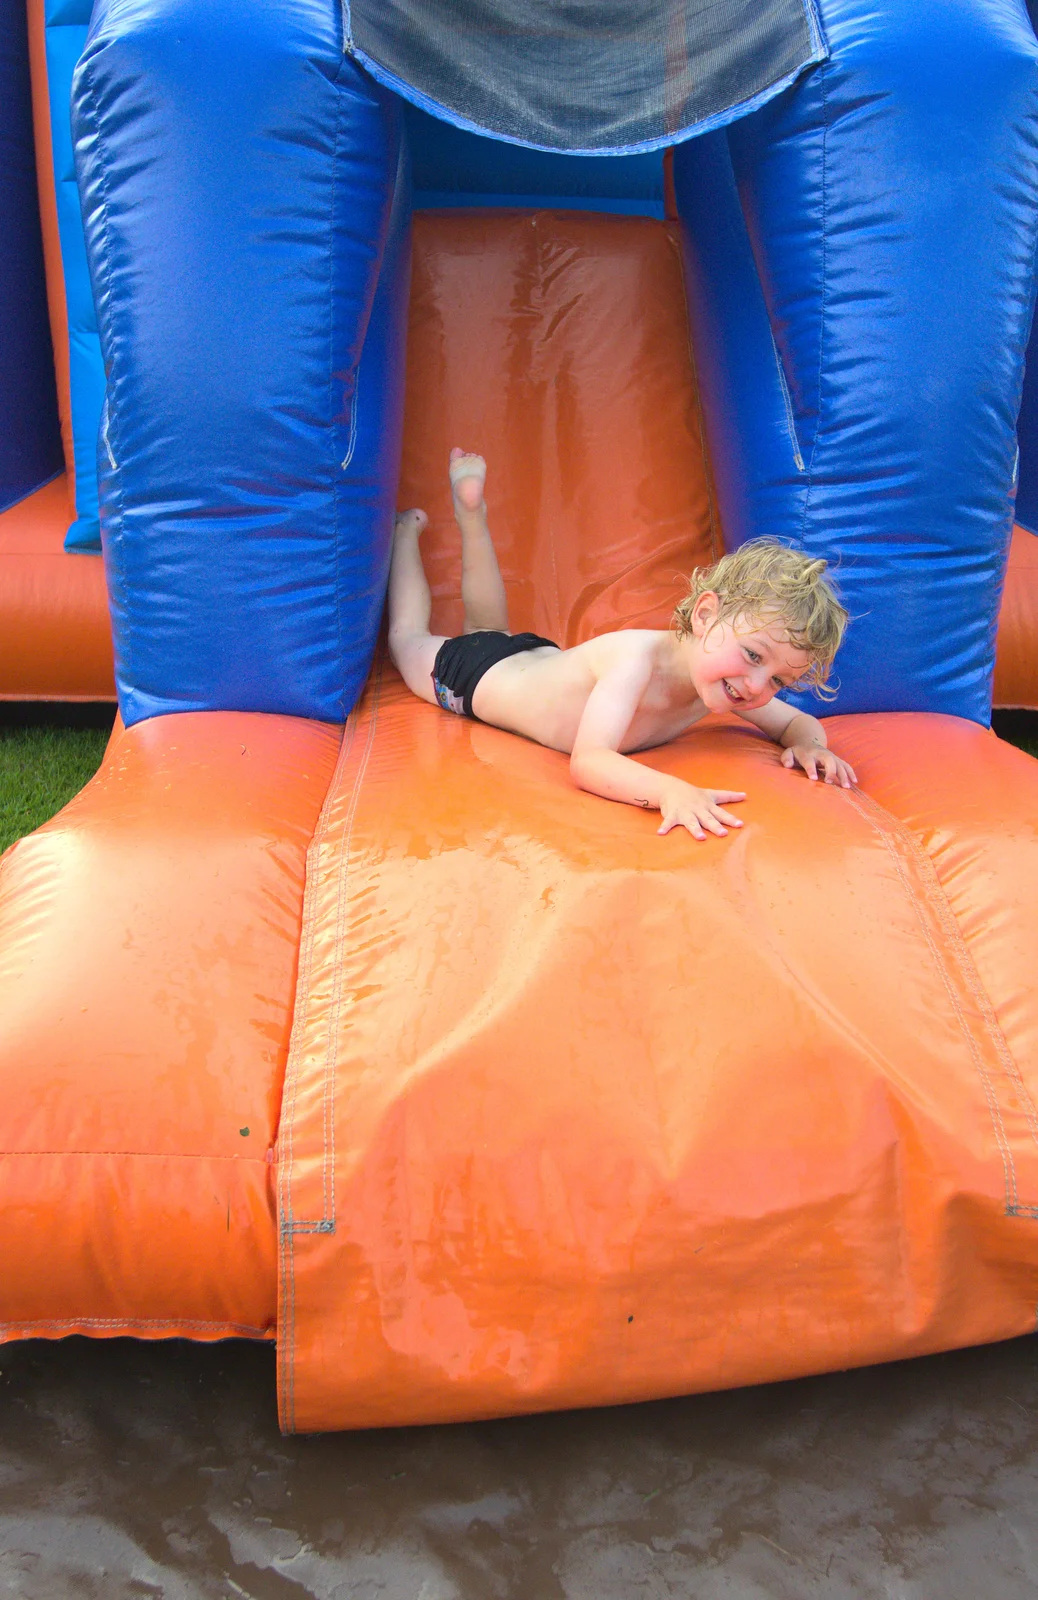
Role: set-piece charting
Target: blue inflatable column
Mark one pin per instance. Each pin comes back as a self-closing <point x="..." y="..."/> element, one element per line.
<point x="860" y="267"/>
<point x="238" y="175"/>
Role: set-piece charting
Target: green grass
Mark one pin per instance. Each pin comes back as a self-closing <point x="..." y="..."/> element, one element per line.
<point x="44" y="761"/>
<point x="1019" y="728"/>
<point x="41" y="768"/>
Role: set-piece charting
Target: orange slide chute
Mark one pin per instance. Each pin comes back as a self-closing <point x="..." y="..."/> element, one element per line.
<point x="576" y="1114"/>
<point x="543" y="1109"/>
<point x="55" y="636"/>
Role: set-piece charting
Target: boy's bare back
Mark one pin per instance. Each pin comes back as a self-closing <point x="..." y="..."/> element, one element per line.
<point x="543" y="693"/>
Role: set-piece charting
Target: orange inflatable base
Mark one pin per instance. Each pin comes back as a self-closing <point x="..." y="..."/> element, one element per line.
<point x="574" y="1114"/>
<point x="55" y="636"/>
<point x="148" y="945"/>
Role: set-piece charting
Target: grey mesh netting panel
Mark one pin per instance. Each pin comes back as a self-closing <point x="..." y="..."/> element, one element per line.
<point x="607" y="76"/>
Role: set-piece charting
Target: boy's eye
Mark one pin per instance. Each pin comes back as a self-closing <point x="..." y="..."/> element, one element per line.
<point x="752" y="655"/>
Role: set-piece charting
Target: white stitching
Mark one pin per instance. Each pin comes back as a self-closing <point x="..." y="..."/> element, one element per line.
<point x="936" y="897"/>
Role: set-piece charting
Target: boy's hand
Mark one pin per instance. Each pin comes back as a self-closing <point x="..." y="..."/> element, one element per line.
<point x="818" y="758"/>
<point x="682" y="805"/>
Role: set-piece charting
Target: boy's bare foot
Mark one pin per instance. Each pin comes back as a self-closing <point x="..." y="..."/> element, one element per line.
<point x="410" y="522"/>
<point x="468" y="474"/>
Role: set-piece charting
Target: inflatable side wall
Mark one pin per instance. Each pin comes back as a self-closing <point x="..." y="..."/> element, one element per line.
<point x="871" y="276"/>
<point x="237" y="174"/>
<point x="58" y="31"/>
<point x="30" y="444"/>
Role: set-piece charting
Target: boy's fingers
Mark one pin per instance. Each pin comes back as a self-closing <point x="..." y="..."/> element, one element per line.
<point x="787" y="757"/>
<point x="729" y="821"/>
<point x="678" y="822"/>
<point x="728" y="797"/>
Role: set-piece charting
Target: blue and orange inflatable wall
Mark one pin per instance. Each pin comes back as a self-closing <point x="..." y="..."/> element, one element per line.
<point x="332" y="1020"/>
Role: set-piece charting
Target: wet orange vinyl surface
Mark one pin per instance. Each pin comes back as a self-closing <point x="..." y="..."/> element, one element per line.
<point x="653" y="1116"/>
<point x="148" y="945"/>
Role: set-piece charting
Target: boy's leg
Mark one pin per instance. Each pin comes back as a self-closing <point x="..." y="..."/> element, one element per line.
<point x="411" y="645"/>
<point x="482" y="591"/>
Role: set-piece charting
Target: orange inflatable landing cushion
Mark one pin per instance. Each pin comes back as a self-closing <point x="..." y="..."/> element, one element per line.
<point x="55" y="634"/>
<point x="147" y="966"/>
<point x="577" y="1114"/>
<point x="1016" y="660"/>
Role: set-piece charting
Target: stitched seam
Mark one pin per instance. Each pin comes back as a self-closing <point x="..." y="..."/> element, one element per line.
<point x="976" y="989"/>
<point x="823" y="77"/>
<point x="116" y="582"/>
<point x="337" y="475"/>
<point x="150" y="1155"/>
<point x="968" y="967"/>
<point x="286" y="1134"/>
<point x="982" y="999"/>
<point x="133" y="1322"/>
<point x="352" y="443"/>
<point x="291" y="1227"/>
<point x="787" y="401"/>
<point x="863" y="805"/>
<point x="342" y="901"/>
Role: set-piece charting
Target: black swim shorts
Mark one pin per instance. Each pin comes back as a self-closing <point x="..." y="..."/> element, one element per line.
<point x="461" y="662"/>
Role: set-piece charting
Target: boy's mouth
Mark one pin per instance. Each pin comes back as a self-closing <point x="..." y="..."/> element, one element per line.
<point x="729" y="691"/>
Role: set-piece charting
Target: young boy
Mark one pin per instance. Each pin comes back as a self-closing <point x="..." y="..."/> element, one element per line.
<point x="760" y="620"/>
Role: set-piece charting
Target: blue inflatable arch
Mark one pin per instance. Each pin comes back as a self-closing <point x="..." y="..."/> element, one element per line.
<point x="859" y="232"/>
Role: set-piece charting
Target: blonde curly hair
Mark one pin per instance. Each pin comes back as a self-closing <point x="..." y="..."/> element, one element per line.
<point x="768" y="582"/>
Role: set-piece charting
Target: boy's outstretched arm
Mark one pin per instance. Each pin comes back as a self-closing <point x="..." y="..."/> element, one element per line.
<point x="803" y="740"/>
<point x="597" y="765"/>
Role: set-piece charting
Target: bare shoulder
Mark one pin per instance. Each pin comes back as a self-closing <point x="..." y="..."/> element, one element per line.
<point x="628" y="649"/>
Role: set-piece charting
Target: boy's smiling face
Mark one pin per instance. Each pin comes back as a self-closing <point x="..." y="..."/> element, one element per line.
<point x="740" y="664"/>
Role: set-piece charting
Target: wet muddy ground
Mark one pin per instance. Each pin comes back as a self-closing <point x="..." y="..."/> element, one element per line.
<point x="157" y="1470"/>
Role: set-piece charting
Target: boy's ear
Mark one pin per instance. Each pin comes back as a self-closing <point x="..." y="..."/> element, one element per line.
<point x="704" y="613"/>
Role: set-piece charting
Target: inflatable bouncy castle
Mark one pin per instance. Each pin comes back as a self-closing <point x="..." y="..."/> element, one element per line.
<point x="332" y="1020"/>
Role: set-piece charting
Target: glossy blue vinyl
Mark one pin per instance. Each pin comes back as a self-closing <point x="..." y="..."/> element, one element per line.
<point x="66" y="23"/>
<point x="30" y="442"/>
<point x="1027" y="439"/>
<point x="237" y="174"/>
<point x="888" y="205"/>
